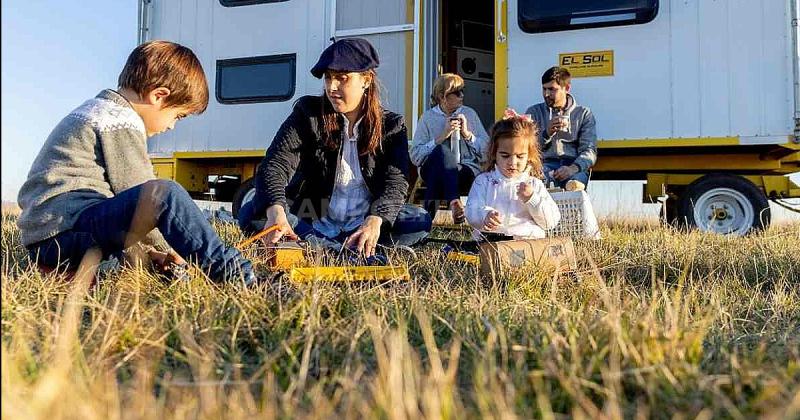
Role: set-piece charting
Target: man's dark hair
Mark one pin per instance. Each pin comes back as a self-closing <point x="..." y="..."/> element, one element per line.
<point x="559" y="74"/>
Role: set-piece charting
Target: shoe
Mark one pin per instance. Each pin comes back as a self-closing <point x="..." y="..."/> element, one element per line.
<point x="573" y="185"/>
<point x="457" y="207"/>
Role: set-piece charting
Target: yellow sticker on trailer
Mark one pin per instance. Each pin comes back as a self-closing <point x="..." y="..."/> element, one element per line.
<point x="589" y="63"/>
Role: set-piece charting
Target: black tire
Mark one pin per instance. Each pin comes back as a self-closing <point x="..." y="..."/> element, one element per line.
<point x="727" y="204"/>
<point x="240" y="195"/>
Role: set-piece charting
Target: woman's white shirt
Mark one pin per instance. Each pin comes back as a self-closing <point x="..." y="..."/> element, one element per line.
<point x="351" y="198"/>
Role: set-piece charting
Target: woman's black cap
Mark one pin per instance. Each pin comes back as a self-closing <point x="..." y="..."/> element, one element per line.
<point x="348" y="55"/>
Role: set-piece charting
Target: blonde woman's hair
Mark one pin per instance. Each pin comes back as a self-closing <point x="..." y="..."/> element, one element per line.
<point x="444" y="84"/>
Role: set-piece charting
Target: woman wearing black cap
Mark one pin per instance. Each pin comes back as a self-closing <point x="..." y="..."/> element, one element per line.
<point x="339" y="163"/>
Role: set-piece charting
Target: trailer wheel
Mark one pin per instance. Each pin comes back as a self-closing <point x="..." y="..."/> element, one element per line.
<point x="724" y="203"/>
<point x="244" y="194"/>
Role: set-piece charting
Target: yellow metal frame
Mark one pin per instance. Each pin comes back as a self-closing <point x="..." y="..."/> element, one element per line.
<point x="349" y="274"/>
<point x="500" y="59"/>
<point x="668" y="142"/>
<point x="191" y="169"/>
<point x="685" y="142"/>
<point x="773" y="185"/>
<point x="216" y="154"/>
<point x="686" y="162"/>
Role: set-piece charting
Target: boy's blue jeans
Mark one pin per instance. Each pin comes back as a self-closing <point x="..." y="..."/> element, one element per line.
<point x="160" y="203"/>
<point x="411" y="226"/>
<point x="553" y="164"/>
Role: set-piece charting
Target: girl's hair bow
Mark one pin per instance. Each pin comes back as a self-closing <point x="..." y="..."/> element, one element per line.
<point x="509" y="113"/>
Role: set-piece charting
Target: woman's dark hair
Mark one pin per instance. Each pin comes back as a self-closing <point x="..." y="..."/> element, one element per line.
<point x="371" y="127"/>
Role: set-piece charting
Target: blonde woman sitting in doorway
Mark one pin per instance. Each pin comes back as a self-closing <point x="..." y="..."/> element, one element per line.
<point x="448" y="146"/>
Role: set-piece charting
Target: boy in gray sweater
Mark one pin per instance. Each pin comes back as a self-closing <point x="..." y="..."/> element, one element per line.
<point x="92" y="184"/>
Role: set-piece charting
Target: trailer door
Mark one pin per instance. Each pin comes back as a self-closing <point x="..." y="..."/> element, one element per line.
<point x="392" y="27"/>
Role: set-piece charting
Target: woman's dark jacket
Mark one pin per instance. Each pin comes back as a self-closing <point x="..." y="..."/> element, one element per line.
<point x="299" y="170"/>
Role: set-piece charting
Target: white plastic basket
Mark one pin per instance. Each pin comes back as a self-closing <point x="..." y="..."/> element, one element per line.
<point x="578" y="220"/>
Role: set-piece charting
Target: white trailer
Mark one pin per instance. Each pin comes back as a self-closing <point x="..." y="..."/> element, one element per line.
<point x="699" y="98"/>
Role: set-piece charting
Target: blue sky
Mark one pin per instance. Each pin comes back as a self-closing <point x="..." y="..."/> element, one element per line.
<point x="55" y="55"/>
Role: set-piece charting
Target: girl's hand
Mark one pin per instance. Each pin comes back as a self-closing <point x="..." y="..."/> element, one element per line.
<point x="492" y="220"/>
<point x="277" y="217"/>
<point x="524" y="191"/>
<point x="365" y="239"/>
<point x="452" y="126"/>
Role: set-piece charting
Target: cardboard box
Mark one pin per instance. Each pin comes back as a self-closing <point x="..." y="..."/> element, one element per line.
<point x="548" y="253"/>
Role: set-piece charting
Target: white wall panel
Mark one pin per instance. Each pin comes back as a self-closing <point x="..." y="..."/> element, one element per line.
<point x="702" y="68"/>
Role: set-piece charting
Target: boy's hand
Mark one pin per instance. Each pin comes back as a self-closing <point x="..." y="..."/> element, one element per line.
<point x="524" y="191"/>
<point x="365" y="239"/>
<point x="169" y="263"/>
<point x="492" y="220"/>
<point x="163" y="259"/>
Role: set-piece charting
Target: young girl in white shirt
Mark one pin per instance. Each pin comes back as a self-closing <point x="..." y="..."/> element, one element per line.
<point x="508" y="200"/>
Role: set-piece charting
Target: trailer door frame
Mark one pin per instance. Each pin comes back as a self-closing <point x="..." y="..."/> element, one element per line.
<point x="414" y="26"/>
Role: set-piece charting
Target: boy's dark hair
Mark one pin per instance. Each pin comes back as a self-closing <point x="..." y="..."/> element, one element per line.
<point x="558" y="74"/>
<point x="162" y="63"/>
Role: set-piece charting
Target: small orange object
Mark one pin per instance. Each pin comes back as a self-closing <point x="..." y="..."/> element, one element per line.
<point x="256" y="237"/>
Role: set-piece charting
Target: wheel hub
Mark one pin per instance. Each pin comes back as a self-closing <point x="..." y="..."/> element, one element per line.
<point x="724" y="210"/>
<point x="719" y="213"/>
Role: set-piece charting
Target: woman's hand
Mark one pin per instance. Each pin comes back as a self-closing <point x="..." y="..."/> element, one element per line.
<point x="451" y="127"/>
<point x="276" y="216"/>
<point x="365" y="239"/>
<point x="465" y="133"/>
<point x="492" y="220"/>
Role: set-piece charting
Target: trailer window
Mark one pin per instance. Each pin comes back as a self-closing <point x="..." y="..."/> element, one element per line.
<point x="234" y="3"/>
<point x="256" y="79"/>
<point x="548" y="16"/>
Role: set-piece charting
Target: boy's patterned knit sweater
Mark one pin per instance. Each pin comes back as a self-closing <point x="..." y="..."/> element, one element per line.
<point x="95" y="152"/>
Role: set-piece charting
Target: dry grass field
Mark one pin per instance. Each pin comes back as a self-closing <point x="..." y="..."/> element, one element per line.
<point x="656" y="323"/>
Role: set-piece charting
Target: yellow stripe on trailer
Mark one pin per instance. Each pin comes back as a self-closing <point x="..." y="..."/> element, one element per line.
<point x="213" y="154"/>
<point x="349" y="274"/>
<point x="669" y="142"/>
